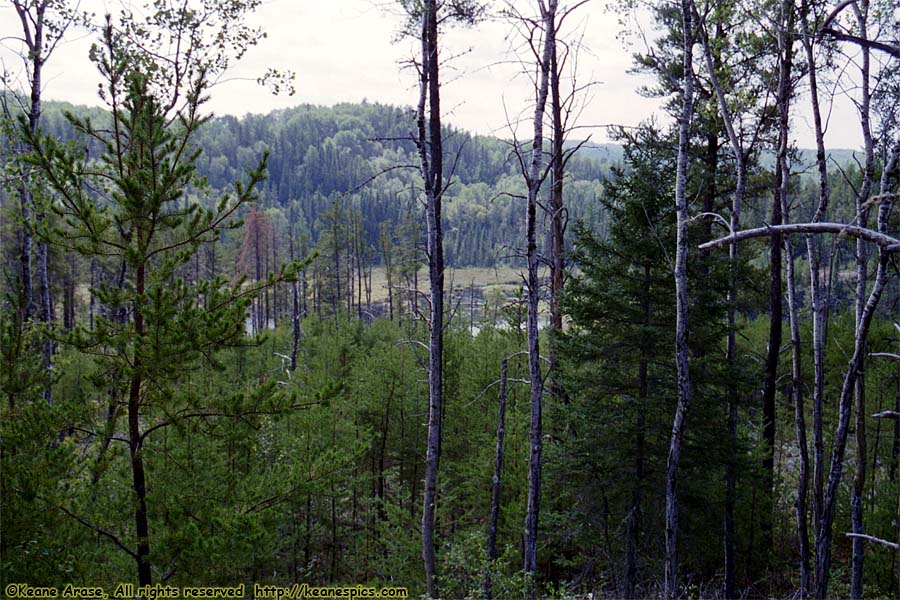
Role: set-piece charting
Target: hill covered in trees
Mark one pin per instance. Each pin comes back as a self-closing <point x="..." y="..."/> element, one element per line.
<point x="362" y="157"/>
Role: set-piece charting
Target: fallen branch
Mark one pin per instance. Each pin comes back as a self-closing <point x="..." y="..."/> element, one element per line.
<point x="884" y="241"/>
<point x="872" y="538"/>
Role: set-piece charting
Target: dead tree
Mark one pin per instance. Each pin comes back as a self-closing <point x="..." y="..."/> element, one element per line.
<point x="44" y="23"/>
<point x="534" y="173"/>
<point x="561" y="116"/>
<point x="862" y="217"/>
<point x="430" y="146"/>
<point x="681" y="303"/>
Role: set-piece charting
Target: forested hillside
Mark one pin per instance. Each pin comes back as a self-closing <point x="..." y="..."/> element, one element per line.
<point x="361" y="157"/>
<point x="355" y="351"/>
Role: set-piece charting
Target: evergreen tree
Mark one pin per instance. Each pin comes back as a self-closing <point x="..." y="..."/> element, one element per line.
<point x="617" y="361"/>
<point x="131" y="207"/>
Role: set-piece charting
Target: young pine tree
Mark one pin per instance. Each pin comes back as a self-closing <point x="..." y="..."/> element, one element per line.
<point x="131" y="206"/>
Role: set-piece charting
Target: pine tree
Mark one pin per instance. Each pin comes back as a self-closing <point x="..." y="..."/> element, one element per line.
<point x="130" y="206"/>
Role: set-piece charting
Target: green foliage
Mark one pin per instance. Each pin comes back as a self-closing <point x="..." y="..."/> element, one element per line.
<point x="609" y="462"/>
<point x="353" y="155"/>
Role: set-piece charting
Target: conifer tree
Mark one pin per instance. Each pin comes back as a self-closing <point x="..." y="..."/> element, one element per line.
<point x="132" y="206"/>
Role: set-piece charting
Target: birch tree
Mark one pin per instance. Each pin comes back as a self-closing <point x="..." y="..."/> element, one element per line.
<point x="682" y="302"/>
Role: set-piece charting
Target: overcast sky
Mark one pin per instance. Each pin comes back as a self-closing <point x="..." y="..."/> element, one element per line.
<point x="347" y="51"/>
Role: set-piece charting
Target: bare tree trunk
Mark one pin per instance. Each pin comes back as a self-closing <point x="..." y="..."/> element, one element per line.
<point x="295" y="313"/>
<point x="46" y="312"/>
<point x="801" y="503"/>
<point x="35" y="45"/>
<point x="819" y="297"/>
<point x="533" y="180"/>
<point x="682" y="302"/>
<point x="431" y="157"/>
<point x="495" y="490"/>
<point x="557" y="231"/>
<point x="862" y="217"/>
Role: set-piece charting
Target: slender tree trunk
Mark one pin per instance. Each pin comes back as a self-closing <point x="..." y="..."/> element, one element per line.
<point x="801" y="504"/>
<point x="772" y="355"/>
<point x="139" y="484"/>
<point x="819" y="298"/>
<point x="46" y="311"/>
<point x="533" y="502"/>
<point x="862" y="217"/>
<point x="557" y="225"/>
<point x="431" y="156"/>
<point x="681" y="310"/>
<point x="495" y="490"/>
<point x="295" y="312"/>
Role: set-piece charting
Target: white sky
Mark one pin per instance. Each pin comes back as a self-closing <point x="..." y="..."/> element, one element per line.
<point x="346" y="50"/>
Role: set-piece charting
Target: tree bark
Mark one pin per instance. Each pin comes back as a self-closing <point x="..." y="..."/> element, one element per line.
<point x="533" y="180"/>
<point x="681" y="310"/>
<point x="862" y="215"/>
<point x="557" y="226"/>
<point x="819" y="299"/>
<point x="431" y="157"/>
<point x="773" y="352"/>
<point x="801" y="504"/>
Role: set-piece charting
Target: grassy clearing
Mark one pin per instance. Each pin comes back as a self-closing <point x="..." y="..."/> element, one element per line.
<point x="501" y="278"/>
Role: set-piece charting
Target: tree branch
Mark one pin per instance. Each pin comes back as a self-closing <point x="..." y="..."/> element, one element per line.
<point x="884" y="241"/>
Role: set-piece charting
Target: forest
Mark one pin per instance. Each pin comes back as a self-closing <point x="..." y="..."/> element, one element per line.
<point x="362" y="350"/>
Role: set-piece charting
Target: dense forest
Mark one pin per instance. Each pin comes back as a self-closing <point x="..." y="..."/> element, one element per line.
<point x="358" y="348"/>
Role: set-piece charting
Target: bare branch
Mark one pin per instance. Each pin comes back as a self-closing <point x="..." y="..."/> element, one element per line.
<point x="872" y="538"/>
<point x="884" y="241"/>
